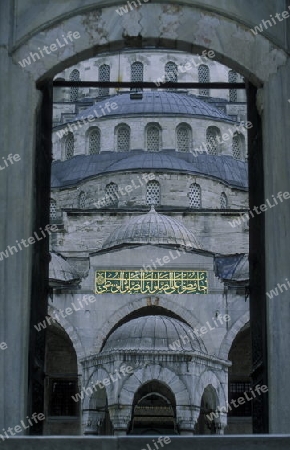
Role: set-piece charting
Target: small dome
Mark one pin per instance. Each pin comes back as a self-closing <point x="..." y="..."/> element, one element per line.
<point x="152" y="228"/>
<point x="153" y="333"/>
<point x="60" y="271"/>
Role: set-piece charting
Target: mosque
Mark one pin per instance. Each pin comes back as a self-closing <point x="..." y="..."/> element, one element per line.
<point x="148" y="327"/>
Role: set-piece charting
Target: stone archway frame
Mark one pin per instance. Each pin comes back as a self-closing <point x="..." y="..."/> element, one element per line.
<point x="165" y="301"/>
<point x="231" y="335"/>
<point x="179" y="27"/>
<point x="102" y="373"/>
<point x="154" y="372"/>
<point x="72" y="334"/>
<point x="210" y="378"/>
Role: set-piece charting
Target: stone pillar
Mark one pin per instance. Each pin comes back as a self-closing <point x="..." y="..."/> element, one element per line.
<point x="187" y="418"/>
<point x="276" y="126"/>
<point x="120" y="419"/>
<point x="19" y="100"/>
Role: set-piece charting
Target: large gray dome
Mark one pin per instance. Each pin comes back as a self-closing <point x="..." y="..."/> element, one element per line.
<point x="163" y="103"/>
<point x="153" y="333"/>
<point x="152" y="228"/>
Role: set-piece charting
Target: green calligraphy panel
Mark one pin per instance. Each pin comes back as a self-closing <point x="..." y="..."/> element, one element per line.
<point x="153" y="282"/>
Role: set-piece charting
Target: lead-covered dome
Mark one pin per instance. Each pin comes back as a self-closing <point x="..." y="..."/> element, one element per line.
<point x="152" y="228"/>
<point x="153" y="333"/>
<point x="155" y="102"/>
<point x="61" y="272"/>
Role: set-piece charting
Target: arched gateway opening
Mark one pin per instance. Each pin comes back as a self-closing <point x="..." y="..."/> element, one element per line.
<point x="147" y="409"/>
<point x="255" y="71"/>
<point x="154" y="410"/>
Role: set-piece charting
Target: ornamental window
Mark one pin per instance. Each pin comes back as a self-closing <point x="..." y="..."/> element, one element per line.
<point x="233" y="78"/>
<point x="153" y="138"/>
<point x="104" y="75"/>
<point x="183" y="138"/>
<point x="69" y="146"/>
<point x="212" y="136"/>
<point x="111" y="194"/>
<point x="94" y="142"/>
<point x="171" y="72"/>
<point x="194" y="196"/>
<point x="203" y="77"/>
<point x="123" y="138"/>
<point x="74" y="91"/>
<point x="153" y="193"/>
<point x="223" y="201"/>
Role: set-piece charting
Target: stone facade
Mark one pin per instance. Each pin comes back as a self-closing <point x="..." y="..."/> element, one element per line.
<point x="224" y="27"/>
<point x="89" y="217"/>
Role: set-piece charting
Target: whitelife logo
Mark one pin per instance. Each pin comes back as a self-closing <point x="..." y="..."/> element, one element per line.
<point x="53" y="47"/>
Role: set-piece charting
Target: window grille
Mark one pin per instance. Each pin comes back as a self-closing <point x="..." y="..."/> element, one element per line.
<point x="94" y="142"/>
<point x="183" y="138"/>
<point x="153" y="138"/>
<point x="69" y="146"/>
<point x="171" y="72"/>
<point x="123" y="138"/>
<point x="111" y="194"/>
<point x="212" y="134"/>
<point x="194" y="196"/>
<point x="104" y="75"/>
<point x="153" y="193"/>
<point x="237" y="151"/>
<point x="203" y="77"/>
<point x="233" y="93"/>
<point x="74" y="91"/>
<point x="137" y="70"/>
<point x="82" y="200"/>
<point x="223" y="201"/>
<point x="236" y="390"/>
<point x="61" y="401"/>
<point x="53" y="213"/>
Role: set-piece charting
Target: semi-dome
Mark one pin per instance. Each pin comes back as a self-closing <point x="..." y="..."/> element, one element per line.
<point x="152" y="228"/>
<point x="233" y="268"/>
<point x="60" y="271"/>
<point x="155" y="102"/>
<point x="153" y="333"/>
<point x="82" y="167"/>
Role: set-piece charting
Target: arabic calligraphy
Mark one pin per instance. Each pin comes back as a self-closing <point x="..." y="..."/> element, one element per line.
<point x="153" y="282"/>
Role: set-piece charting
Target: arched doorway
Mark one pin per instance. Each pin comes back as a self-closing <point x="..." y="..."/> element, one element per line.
<point x="153" y="410"/>
<point x="28" y="184"/>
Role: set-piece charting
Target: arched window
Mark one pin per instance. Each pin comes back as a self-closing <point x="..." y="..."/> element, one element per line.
<point x="123" y="138"/>
<point x="212" y="140"/>
<point x="194" y="196"/>
<point x="69" y="146"/>
<point x="104" y="75"/>
<point x="153" y="138"/>
<point x="203" y="77"/>
<point x="233" y="78"/>
<point x="137" y="70"/>
<point x="94" y="141"/>
<point x="74" y="91"/>
<point x="111" y="194"/>
<point x="171" y="72"/>
<point x="153" y="193"/>
<point x="82" y="200"/>
<point x="238" y="146"/>
<point x="223" y="201"/>
<point x="53" y="213"/>
<point x="183" y="135"/>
